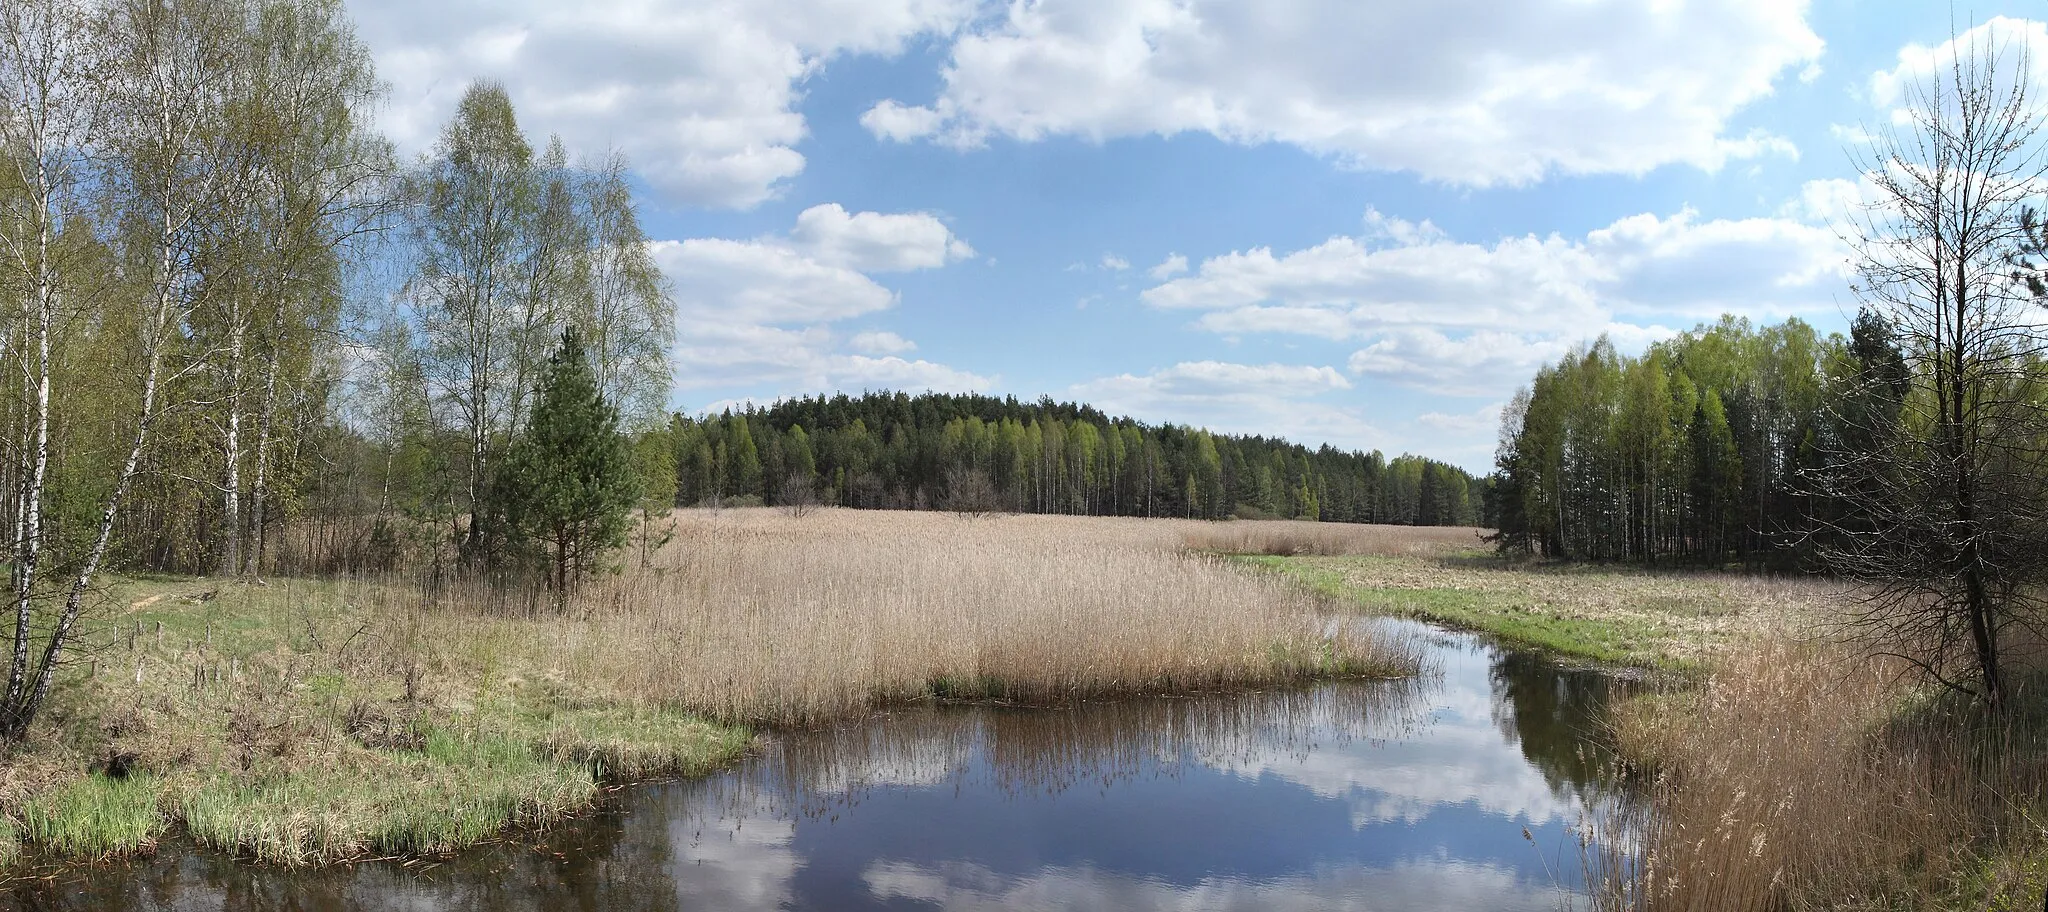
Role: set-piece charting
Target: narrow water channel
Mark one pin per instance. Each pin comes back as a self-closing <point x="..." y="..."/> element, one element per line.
<point x="1404" y="795"/>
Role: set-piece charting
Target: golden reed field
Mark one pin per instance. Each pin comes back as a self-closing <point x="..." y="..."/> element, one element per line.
<point x="758" y="615"/>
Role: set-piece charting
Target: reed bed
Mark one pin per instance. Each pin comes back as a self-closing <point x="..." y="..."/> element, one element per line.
<point x="753" y="615"/>
<point x="1289" y="538"/>
<point x="1805" y="776"/>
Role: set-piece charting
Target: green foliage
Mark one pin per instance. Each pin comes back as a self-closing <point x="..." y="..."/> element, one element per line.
<point x="1047" y="457"/>
<point x="567" y="484"/>
<point x="1694" y="451"/>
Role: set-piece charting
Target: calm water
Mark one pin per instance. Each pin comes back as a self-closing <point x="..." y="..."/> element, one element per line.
<point x="1371" y="796"/>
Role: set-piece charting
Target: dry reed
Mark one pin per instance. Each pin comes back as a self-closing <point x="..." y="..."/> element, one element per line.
<point x="755" y="615"/>
<point x="1806" y="776"/>
<point x="1287" y="538"/>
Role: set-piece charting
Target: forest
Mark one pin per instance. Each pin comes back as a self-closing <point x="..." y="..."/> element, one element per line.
<point x="958" y="451"/>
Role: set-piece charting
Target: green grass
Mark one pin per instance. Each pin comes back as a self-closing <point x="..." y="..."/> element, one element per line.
<point x="276" y="722"/>
<point x="458" y="790"/>
<point x="95" y="816"/>
<point x="1622" y="641"/>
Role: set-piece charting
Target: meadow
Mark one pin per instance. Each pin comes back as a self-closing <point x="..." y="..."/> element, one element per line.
<point x="303" y="721"/>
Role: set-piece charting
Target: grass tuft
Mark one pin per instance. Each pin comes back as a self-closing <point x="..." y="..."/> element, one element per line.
<point x="95" y="816"/>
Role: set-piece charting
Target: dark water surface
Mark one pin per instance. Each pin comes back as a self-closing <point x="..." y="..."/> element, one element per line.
<point x="1410" y="795"/>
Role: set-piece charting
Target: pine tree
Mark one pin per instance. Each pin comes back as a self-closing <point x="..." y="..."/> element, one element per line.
<point x="566" y="486"/>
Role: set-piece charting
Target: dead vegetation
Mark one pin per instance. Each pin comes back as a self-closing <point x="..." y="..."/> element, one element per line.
<point x="1287" y="538"/>
<point x="1805" y="776"/>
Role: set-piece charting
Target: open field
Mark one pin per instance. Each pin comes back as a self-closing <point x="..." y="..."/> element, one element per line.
<point x="308" y="721"/>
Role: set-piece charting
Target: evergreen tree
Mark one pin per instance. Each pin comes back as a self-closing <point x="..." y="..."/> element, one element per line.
<point x="566" y="485"/>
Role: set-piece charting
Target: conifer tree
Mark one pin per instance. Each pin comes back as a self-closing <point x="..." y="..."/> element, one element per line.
<point x="567" y="486"/>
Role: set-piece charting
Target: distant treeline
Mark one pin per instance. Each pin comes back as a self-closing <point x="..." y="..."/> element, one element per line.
<point x="894" y="450"/>
<point x="1714" y="445"/>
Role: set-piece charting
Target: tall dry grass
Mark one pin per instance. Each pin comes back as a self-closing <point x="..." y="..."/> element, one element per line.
<point x="755" y="615"/>
<point x="1286" y="538"/>
<point x="1808" y="776"/>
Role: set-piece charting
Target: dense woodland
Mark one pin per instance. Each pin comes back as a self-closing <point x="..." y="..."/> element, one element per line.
<point x="1704" y="448"/>
<point x="959" y="451"/>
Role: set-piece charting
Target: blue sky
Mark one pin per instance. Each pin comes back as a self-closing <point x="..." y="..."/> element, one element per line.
<point x="1361" y="223"/>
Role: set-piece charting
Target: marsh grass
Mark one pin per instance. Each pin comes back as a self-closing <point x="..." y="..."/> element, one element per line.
<point x="455" y="792"/>
<point x="1806" y="776"/>
<point x="1287" y="538"/>
<point x="753" y="616"/>
<point x="95" y="816"/>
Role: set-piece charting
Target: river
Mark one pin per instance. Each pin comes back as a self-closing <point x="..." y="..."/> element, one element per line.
<point x="1408" y="795"/>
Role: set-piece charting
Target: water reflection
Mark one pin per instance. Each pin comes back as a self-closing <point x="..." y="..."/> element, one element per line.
<point x="1409" y="795"/>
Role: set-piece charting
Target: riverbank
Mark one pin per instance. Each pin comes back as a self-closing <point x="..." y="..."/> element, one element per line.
<point x="311" y="721"/>
<point x="299" y="722"/>
<point x="1670" y="621"/>
<point x="1782" y="766"/>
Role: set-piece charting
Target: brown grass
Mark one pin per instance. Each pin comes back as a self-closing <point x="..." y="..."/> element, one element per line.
<point x="1805" y="776"/>
<point x="1287" y="538"/>
<point x="755" y="615"/>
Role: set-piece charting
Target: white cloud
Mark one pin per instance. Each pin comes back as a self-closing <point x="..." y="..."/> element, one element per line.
<point x="2000" y="36"/>
<point x="702" y="96"/>
<point x="759" y="312"/>
<point x="1272" y="399"/>
<point x="900" y="123"/>
<point x="1481" y="363"/>
<point x="874" y="242"/>
<point x="1114" y="263"/>
<point x="1463" y="92"/>
<point x="764" y="282"/>
<point x="895" y="373"/>
<point x="1485" y="420"/>
<point x="1473" y="319"/>
<point x="1173" y="265"/>
<point x="880" y="343"/>
<point x="1348" y="286"/>
<point x="1830" y="201"/>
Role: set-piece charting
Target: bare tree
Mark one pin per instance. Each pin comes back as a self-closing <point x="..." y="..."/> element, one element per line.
<point x="1945" y="497"/>
<point x="799" y="495"/>
<point x="970" y="493"/>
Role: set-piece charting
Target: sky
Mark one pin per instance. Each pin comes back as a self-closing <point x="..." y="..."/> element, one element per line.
<point x="1355" y="222"/>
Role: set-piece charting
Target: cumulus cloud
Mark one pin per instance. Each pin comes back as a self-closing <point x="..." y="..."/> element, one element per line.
<point x="1173" y="265"/>
<point x="701" y="96"/>
<point x="1478" y="364"/>
<point x="1463" y="92"/>
<point x="1485" y="420"/>
<point x="1283" y="399"/>
<point x="875" y="242"/>
<point x="2002" y="37"/>
<point x="901" y="123"/>
<point x="880" y="343"/>
<point x="1472" y="319"/>
<point x="1114" y="263"/>
<point x="760" y="312"/>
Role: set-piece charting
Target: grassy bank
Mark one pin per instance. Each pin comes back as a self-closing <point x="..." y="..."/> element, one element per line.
<point x="307" y="721"/>
<point x="311" y="721"/>
<point x="1674" y="621"/>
